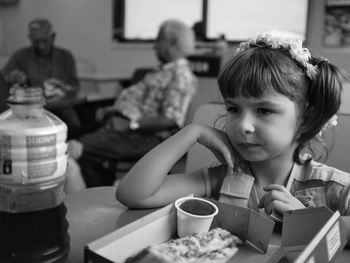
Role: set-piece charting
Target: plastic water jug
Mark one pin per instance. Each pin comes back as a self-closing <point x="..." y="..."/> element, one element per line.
<point x="33" y="161"/>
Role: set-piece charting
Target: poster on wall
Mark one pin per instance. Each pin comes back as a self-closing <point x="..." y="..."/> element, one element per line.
<point x="336" y="31"/>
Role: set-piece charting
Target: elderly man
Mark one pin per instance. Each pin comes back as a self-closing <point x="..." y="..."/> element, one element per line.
<point x="44" y="65"/>
<point x="145" y="113"/>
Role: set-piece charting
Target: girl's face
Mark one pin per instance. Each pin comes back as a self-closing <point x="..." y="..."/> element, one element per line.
<point x="262" y="128"/>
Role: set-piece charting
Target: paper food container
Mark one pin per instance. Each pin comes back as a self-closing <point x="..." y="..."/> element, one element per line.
<point x="308" y="235"/>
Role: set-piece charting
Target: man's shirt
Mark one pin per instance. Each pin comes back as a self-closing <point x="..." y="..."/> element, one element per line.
<point x="58" y="64"/>
<point x="166" y="92"/>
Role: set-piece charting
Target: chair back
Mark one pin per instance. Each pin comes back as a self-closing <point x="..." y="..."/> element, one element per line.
<point x="209" y="114"/>
<point x="139" y="74"/>
<point x="4" y="93"/>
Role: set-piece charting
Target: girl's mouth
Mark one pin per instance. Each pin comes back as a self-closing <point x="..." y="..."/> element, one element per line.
<point x="247" y="145"/>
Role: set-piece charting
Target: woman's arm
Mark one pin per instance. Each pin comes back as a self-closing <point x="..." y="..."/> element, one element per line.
<point x="148" y="184"/>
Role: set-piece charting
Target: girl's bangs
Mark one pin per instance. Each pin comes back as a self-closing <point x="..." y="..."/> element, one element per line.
<point x="251" y="74"/>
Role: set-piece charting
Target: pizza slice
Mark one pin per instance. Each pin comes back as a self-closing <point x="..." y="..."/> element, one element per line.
<point x="217" y="245"/>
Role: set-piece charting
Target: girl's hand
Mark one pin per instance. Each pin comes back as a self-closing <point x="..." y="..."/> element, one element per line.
<point x="279" y="199"/>
<point x="217" y="142"/>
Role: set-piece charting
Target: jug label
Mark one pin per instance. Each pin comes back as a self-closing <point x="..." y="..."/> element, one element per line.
<point x="49" y="152"/>
<point x="41" y="170"/>
<point x="5" y="146"/>
<point x="36" y="158"/>
<point x="43" y="140"/>
<point x="5" y="155"/>
<point x="7" y="167"/>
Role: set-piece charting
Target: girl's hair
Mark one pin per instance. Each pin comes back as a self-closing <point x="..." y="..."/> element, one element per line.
<point x="314" y="84"/>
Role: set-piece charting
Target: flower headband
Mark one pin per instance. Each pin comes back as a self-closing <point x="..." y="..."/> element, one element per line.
<point x="280" y="40"/>
<point x="331" y="122"/>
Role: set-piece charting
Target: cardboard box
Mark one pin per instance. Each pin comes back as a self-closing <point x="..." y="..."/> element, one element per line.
<point x="308" y="235"/>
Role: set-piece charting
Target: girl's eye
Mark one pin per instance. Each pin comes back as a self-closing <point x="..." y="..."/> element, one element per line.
<point x="265" y="111"/>
<point x="232" y="109"/>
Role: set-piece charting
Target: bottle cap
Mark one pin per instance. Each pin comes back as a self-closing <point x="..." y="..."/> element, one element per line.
<point x="20" y="95"/>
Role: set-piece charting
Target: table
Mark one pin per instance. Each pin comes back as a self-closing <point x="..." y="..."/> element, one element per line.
<point x="94" y="212"/>
<point x="91" y="214"/>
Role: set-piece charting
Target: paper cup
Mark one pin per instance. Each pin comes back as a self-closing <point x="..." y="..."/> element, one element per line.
<point x="194" y="215"/>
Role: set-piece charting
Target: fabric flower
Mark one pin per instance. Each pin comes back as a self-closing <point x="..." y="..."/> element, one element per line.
<point x="331" y="122"/>
<point x="276" y="40"/>
<point x="311" y="71"/>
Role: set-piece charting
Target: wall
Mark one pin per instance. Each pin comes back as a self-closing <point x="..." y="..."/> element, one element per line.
<point x="85" y="27"/>
<point x="338" y="56"/>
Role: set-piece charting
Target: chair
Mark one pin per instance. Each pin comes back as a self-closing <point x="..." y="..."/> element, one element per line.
<point x="122" y="166"/>
<point x="4" y="93"/>
<point x="207" y="91"/>
<point x="87" y="112"/>
<point x="209" y="114"/>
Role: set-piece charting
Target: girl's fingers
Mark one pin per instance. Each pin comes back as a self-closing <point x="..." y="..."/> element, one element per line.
<point x="228" y="157"/>
<point x="272" y="195"/>
<point x="279" y="200"/>
<point x="276" y="205"/>
<point x="218" y="143"/>
<point x="262" y="201"/>
<point x="277" y="187"/>
<point x="226" y="150"/>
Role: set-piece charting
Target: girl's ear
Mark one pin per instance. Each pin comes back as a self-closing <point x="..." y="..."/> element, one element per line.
<point x="297" y="135"/>
<point x="302" y="127"/>
<point x="306" y="130"/>
<point x="305" y="119"/>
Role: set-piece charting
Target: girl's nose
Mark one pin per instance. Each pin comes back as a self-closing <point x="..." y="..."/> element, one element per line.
<point x="246" y="124"/>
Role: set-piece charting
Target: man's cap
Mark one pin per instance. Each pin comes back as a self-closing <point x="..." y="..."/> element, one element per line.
<point x="39" y="24"/>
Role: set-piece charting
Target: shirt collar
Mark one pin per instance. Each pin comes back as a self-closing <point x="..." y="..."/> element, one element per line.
<point x="50" y="54"/>
<point x="175" y="63"/>
<point x="300" y="171"/>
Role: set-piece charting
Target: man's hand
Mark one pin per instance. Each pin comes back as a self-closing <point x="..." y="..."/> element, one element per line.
<point x="116" y="123"/>
<point x="75" y="149"/>
<point x="104" y="113"/>
<point x="57" y="83"/>
<point x="279" y="199"/>
<point x="56" y="88"/>
<point x="16" y="77"/>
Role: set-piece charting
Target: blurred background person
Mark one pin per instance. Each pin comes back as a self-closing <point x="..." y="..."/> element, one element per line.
<point x="144" y="114"/>
<point x="45" y="65"/>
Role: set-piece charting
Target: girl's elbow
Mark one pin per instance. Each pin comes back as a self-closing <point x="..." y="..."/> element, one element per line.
<point x="127" y="199"/>
<point x="120" y="196"/>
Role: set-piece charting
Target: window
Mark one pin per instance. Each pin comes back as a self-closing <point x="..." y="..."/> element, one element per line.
<point x="237" y="20"/>
<point x="245" y="19"/>
<point x="139" y="20"/>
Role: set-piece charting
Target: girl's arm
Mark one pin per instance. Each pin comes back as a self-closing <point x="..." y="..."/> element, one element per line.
<point x="148" y="184"/>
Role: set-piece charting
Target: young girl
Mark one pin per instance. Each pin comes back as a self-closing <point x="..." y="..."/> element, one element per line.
<point x="278" y="99"/>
